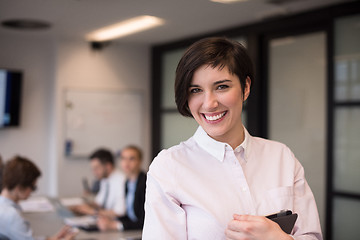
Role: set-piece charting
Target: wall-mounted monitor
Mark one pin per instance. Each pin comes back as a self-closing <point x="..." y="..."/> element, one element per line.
<point x="10" y="97"/>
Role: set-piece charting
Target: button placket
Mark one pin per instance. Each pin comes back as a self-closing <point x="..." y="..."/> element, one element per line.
<point x="243" y="193"/>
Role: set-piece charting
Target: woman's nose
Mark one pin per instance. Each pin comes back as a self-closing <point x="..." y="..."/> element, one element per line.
<point x="210" y="102"/>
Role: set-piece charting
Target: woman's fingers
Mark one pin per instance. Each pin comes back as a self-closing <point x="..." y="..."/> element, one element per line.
<point x="243" y="226"/>
<point x="235" y="235"/>
<point x="254" y="227"/>
<point x="251" y="218"/>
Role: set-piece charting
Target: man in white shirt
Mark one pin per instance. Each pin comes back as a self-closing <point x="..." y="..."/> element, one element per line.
<point x="110" y="200"/>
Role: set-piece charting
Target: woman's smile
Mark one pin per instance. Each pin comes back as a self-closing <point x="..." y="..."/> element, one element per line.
<point x="214" y="117"/>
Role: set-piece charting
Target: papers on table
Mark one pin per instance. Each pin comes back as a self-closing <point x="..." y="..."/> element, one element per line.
<point x="68" y="202"/>
<point x="83" y="221"/>
<point x="36" y="204"/>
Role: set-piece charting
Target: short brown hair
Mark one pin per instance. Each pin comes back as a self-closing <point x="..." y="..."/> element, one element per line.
<point x="20" y="171"/>
<point x="103" y="155"/>
<point x="215" y="52"/>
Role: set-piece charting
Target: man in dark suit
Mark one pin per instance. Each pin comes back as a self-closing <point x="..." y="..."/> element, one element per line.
<point x="130" y="162"/>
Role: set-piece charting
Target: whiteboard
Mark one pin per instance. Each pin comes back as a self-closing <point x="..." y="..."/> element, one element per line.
<point x="109" y="119"/>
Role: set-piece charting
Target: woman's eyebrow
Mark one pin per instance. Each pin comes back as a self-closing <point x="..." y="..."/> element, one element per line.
<point x="215" y="83"/>
<point x="222" y="81"/>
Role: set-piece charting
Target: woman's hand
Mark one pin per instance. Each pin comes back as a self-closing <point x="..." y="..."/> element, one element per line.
<point x="255" y="228"/>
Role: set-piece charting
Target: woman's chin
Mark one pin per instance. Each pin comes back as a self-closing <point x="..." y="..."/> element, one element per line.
<point x="215" y="133"/>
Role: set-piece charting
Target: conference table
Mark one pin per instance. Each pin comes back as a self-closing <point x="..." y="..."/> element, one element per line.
<point x="48" y="223"/>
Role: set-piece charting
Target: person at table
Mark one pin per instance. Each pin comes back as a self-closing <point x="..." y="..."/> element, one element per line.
<point x="130" y="162"/>
<point x="110" y="200"/>
<point x="220" y="183"/>
<point x="19" y="181"/>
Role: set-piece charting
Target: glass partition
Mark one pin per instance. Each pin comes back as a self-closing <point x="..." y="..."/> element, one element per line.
<point x="346" y="219"/>
<point x="346" y="150"/>
<point x="176" y="128"/>
<point x="297" y="104"/>
<point x="170" y="61"/>
<point x="347" y="59"/>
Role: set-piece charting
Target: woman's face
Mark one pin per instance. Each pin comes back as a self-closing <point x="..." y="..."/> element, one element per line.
<point x="216" y="101"/>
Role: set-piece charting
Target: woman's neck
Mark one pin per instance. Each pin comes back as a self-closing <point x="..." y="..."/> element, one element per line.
<point x="10" y="195"/>
<point x="234" y="137"/>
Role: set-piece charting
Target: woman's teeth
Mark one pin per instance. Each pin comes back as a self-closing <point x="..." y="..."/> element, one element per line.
<point x="214" y="117"/>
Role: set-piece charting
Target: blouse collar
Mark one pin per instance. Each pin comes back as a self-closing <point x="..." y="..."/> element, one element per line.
<point x="216" y="148"/>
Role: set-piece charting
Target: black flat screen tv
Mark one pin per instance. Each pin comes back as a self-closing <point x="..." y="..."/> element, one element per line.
<point x="10" y="97"/>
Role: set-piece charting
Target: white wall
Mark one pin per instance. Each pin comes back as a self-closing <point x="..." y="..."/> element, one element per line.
<point x="35" y="58"/>
<point x="49" y="68"/>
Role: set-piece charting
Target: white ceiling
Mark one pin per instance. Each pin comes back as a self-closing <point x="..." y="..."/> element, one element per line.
<point x="184" y="18"/>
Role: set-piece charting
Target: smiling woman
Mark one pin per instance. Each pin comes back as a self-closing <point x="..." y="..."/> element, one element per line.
<point x="222" y="182"/>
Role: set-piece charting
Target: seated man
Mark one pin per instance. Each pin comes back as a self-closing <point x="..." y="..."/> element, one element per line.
<point x="19" y="181"/>
<point x="130" y="162"/>
<point x="110" y="200"/>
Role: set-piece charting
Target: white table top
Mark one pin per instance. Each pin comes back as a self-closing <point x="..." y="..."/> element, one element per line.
<point x="49" y="223"/>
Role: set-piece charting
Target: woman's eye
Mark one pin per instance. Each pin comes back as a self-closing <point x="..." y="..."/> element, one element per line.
<point x="195" y="90"/>
<point x="220" y="87"/>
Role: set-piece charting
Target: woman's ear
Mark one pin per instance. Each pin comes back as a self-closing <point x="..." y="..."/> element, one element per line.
<point x="247" y="88"/>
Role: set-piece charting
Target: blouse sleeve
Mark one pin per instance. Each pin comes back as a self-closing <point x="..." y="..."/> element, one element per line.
<point x="307" y="226"/>
<point x="164" y="216"/>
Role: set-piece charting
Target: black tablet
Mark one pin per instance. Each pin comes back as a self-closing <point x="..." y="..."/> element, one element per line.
<point x="286" y="220"/>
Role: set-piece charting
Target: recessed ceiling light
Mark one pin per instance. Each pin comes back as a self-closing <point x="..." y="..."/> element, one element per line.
<point x="228" y="1"/>
<point x="26" y="24"/>
<point x="124" y="28"/>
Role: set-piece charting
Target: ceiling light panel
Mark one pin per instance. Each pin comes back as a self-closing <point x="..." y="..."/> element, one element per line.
<point x="125" y="28"/>
<point x="228" y="1"/>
